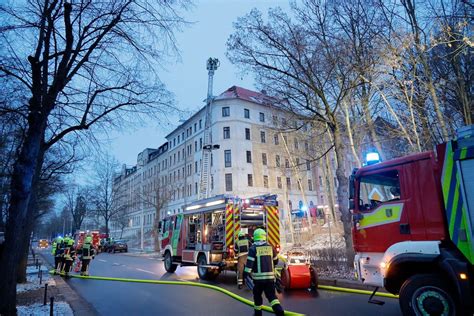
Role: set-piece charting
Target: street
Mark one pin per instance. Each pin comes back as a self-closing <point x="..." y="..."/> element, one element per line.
<point x="122" y="298"/>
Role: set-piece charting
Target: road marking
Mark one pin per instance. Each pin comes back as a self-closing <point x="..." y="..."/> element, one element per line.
<point x="102" y="260"/>
<point x="144" y="271"/>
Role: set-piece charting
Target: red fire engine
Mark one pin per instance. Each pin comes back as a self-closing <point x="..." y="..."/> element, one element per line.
<point x="205" y="233"/>
<point x="413" y="227"/>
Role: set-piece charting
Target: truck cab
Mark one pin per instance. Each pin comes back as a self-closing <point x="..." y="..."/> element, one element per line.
<point x="412" y="227"/>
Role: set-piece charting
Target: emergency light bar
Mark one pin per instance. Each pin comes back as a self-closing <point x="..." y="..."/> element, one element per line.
<point x="372" y="158"/>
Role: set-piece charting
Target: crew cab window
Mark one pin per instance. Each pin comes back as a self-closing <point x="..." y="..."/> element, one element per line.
<point x="376" y="189"/>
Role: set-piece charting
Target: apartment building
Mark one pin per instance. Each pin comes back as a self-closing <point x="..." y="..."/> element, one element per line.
<point x="263" y="149"/>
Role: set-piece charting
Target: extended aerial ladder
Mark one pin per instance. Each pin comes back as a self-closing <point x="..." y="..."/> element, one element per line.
<point x="212" y="64"/>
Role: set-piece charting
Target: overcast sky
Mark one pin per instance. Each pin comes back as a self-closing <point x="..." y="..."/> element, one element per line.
<point x="187" y="80"/>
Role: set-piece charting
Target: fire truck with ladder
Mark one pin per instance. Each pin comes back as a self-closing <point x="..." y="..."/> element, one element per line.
<point x="413" y="223"/>
<point x="204" y="235"/>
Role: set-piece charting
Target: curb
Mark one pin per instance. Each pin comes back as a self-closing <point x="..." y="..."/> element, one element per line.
<point x="78" y="304"/>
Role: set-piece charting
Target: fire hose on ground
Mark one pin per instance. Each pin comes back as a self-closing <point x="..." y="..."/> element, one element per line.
<point x="219" y="289"/>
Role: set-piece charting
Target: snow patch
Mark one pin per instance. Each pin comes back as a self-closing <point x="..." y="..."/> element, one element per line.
<point x="32" y="283"/>
<point x="34" y="269"/>
<point x="60" y="308"/>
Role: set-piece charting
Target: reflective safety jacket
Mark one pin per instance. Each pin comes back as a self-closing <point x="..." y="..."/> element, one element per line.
<point x="60" y="249"/>
<point x="87" y="251"/>
<point x="242" y="246"/>
<point x="261" y="262"/>
<point x="53" y="248"/>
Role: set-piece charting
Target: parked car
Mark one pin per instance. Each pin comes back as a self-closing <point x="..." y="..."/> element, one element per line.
<point x="117" y="245"/>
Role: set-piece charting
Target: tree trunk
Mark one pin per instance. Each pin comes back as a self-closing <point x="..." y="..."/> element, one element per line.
<point x="342" y="191"/>
<point x="107" y="226"/>
<point x="21" y="272"/>
<point x="25" y="174"/>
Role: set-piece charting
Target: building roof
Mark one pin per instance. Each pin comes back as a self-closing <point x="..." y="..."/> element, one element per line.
<point x="236" y="92"/>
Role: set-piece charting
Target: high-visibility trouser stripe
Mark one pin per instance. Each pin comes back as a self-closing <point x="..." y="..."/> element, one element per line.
<point x="257" y="308"/>
<point x="263" y="277"/>
<point x="248" y="270"/>
<point x="274" y="302"/>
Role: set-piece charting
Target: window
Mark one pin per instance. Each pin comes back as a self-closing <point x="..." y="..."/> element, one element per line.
<point x="247" y="133"/>
<point x="308" y="165"/>
<point x="250" y="180"/>
<point x="228" y="181"/>
<point x="320" y="180"/>
<point x="264" y="159"/>
<point x="298" y="161"/>
<point x="379" y="188"/>
<point x="288" y="183"/>
<point x="262" y="117"/>
<point x="247" y="113"/>
<point x="310" y="185"/>
<point x="276" y="140"/>
<point x="296" y="144"/>
<point x="277" y="160"/>
<point x="306" y="146"/>
<point x="195" y="127"/>
<point x="195" y="146"/>
<point x="178" y="139"/>
<point x="227" y="158"/>
<point x="249" y="156"/>
<point x="200" y="143"/>
<point x="285" y="139"/>
<point x="262" y="136"/>
<point x="195" y="167"/>
<point x="279" y="183"/>
<point x="265" y="181"/>
<point x="200" y="124"/>
<point x="225" y="111"/>
<point x="226" y="132"/>
<point x="287" y="163"/>
<point x="195" y="188"/>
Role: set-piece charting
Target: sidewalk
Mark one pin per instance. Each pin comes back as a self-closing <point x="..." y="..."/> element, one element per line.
<point x="65" y="292"/>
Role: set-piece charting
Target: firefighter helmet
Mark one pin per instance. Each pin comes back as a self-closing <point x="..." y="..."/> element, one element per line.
<point x="259" y="235"/>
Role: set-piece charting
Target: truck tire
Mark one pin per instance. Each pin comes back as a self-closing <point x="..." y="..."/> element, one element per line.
<point x="169" y="265"/>
<point x="427" y="294"/>
<point x="205" y="273"/>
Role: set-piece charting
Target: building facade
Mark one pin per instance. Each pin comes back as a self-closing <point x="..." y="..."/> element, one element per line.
<point x="263" y="149"/>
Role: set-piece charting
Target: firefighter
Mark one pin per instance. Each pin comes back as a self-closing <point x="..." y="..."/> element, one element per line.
<point x="242" y="246"/>
<point x="261" y="261"/>
<point x="60" y="254"/>
<point x="55" y="251"/>
<point x="69" y="256"/>
<point x="87" y="253"/>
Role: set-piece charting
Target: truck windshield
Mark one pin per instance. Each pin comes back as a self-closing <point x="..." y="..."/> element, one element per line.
<point x="378" y="188"/>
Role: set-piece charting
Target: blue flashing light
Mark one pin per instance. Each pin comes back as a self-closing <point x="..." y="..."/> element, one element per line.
<point x="372" y="157"/>
<point x="304" y="208"/>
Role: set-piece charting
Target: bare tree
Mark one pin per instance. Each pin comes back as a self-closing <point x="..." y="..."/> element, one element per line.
<point x="300" y="62"/>
<point x="90" y="64"/>
<point x="76" y="204"/>
<point x="103" y="196"/>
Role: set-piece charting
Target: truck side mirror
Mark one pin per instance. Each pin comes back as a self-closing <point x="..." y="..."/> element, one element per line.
<point x="351" y="204"/>
<point x="351" y="187"/>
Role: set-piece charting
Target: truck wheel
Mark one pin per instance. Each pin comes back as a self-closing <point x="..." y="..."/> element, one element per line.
<point x="169" y="265"/>
<point x="204" y="273"/>
<point x="426" y="294"/>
